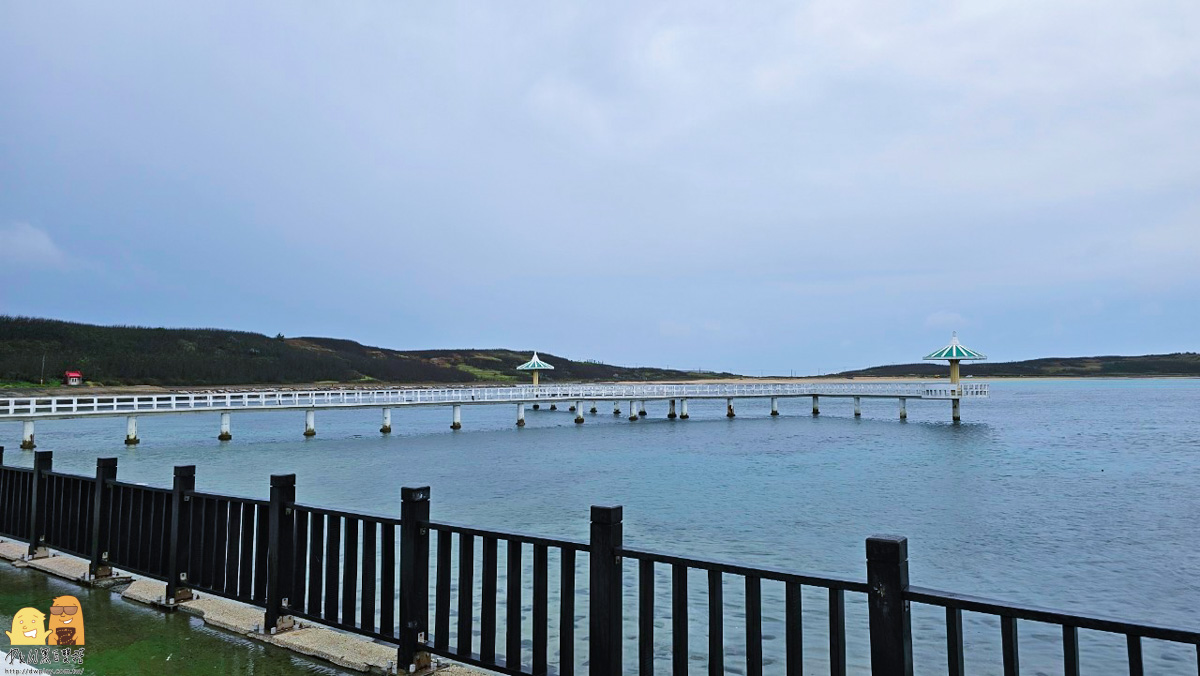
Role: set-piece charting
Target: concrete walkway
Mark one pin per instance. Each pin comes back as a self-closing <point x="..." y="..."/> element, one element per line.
<point x="341" y="648"/>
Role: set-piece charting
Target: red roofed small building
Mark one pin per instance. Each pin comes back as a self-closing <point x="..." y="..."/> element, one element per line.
<point x="73" y="378"/>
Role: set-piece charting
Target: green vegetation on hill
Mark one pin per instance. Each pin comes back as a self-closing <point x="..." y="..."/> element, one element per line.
<point x="131" y="355"/>
<point x="1177" y="364"/>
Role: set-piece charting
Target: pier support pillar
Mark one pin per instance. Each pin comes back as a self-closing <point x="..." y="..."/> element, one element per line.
<point x="858" y="407"/>
<point x="553" y="407"/>
<point x="578" y="408"/>
<point x="536" y="406"/>
<point x="224" y="434"/>
<point x="520" y="415"/>
<point x="593" y="407"/>
<point x="774" y="405"/>
<point x="310" y="423"/>
<point x="729" y="408"/>
<point x="954" y="410"/>
<point x="572" y="409"/>
<point x="642" y="408"/>
<point x="816" y="405"/>
<point x="616" y="408"/>
<point x="903" y="408"/>
<point x="131" y="438"/>
<point x="456" y="418"/>
<point x="386" y="427"/>
<point x="633" y="411"/>
<point x="683" y="414"/>
<point x="671" y="410"/>
<point x="27" y="436"/>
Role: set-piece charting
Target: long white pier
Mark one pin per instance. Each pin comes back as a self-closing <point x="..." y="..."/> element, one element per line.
<point x="29" y="409"/>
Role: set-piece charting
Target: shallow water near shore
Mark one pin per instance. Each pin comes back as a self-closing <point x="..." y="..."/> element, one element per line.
<point x="1077" y="495"/>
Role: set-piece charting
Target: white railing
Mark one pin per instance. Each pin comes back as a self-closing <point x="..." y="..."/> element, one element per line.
<point x="63" y="407"/>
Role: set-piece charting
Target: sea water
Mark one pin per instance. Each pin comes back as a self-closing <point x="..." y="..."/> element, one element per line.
<point x="1077" y="495"/>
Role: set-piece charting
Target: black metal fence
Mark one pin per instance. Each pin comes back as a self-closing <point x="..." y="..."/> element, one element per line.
<point x="370" y="575"/>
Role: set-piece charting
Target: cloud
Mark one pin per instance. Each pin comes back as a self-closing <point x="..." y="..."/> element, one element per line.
<point x="23" y="245"/>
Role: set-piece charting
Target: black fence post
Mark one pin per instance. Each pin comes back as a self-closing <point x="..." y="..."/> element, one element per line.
<point x="179" y="545"/>
<point x="414" y="578"/>
<point x="279" y="549"/>
<point x="604" y="637"/>
<point x="106" y="471"/>
<point x="43" y="461"/>
<point x="890" y="622"/>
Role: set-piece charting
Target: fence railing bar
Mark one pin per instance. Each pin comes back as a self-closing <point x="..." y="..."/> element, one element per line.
<point x="837" y="632"/>
<point x="1070" y="650"/>
<point x="954" y="642"/>
<point x="466" y="592"/>
<point x="716" y="624"/>
<point x="793" y="630"/>
<point x="679" y="620"/>
<point x="1134" y="648"/>
<point x="512" y="609"/>
<point x="566" y="614"/>
<point x="524" y="538"/>
<point x="441" y="616"/>
<point x="1036" y="614"/>
<point x="646" y="618"/>
<point x="754" y="656"/>
<point x="825" y="581"/>
<point x="487" y="599"/>
<point x="1011" y="652"/>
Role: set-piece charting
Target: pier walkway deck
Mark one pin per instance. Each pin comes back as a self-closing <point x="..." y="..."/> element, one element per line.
<point x="29" y="409"/>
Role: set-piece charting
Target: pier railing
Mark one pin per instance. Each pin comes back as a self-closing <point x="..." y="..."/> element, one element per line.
<point x="371" y="575"/>
<point x="49" y="407"/>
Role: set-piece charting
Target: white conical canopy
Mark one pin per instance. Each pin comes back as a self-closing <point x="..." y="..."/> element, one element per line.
<point x="535" y="364"/>
<point x="955" y="350"/>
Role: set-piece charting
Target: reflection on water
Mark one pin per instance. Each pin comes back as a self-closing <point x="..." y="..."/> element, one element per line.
<point x="1072" y="494"/>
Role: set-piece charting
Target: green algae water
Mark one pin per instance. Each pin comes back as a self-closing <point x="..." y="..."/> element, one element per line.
<point x="124" y="637"/>
<point x="1076" y="495"/>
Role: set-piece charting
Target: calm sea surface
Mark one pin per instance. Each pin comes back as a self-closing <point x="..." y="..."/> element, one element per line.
<point x="1079" y="495"/>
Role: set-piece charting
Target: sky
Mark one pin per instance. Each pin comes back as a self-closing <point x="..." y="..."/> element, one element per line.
<point x="760" y="187"/>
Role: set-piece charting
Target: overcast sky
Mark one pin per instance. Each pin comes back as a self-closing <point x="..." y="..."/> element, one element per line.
<point x="757" y="187"/>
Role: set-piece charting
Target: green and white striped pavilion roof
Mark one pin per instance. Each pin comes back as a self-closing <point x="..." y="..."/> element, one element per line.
<point x="535" y="364"/>
<point x="956" y="350"/>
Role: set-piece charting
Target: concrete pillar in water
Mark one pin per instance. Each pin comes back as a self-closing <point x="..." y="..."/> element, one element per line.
<point x="386" y="428"/>
<point x="456" y="418"/>
<point x="633" y="410"/>
<point x="954" y="410"/>
<point x="520" y="415"/>
<point x="857" y="407"/>
<point x="683" y="414"/>
<point x="774" y="405"/>
<point x="816" y="405"/>
<point x="671" y="410"/>
<point x="593" y="407"/>
<point x="903" y="408"/>
<point x="27" y="436"/>
<point x="616" y="408"/>
<point x="642" y="408"/>
<point x="729" y="408"/>
<point x="224" y="434"/>
<point x="131" y="438"/>
<point x="578" y="408"/>
<point x="573" y="408"/>
<point x="310" y="423"/>
<point x="536" y="406"/>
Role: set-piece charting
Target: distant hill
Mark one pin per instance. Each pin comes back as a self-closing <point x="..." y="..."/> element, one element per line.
<point x="1177" y="364"/>
<point x="132" y="355"/>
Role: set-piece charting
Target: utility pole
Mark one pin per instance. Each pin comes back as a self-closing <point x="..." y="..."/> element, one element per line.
<point x="42" y="379"/>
